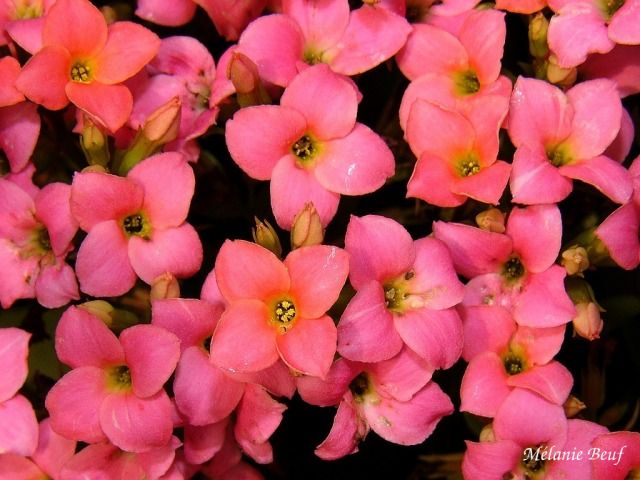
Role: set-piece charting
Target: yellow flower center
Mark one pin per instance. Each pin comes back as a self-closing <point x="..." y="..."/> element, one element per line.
<point x="466" y="83"/>
<point x="80" y="72"/>
<point x="136" y="225"/>
<point x="305" y="149"/>
<point x="119" y="378"/>
<point x="468" y="165"/>
<point x="513" y="269"/>
<point x="284" y="315"/>
<point x="28" y="9"/>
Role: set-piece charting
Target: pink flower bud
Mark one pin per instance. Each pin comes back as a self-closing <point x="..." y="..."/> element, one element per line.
<point x="243" y="73"/>
<point x="588" y="323"/>
<point x="165" y="286"/>
<point x="162" y="125"/>
<point x="307" y="228"/>
<point x="491" y="220"/>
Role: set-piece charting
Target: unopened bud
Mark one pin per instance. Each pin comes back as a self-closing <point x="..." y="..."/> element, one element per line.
<point x="94" y="143"/>
<point x="109" y="13"/>
<point x="563" y="77"/>
<point x="573" y="406"/>
<point x="538" y="27"/>
<point x="243" y="73"/>
<point x="587" y="322"/>
<point x="94" y="169"/>
<point x="487" y="434"/>
<point x="491" y="220"/>
<point x="307" y="228"/>
<point x="265" y="235"/>
<point x="575" y="260"/>
<point x="165" y="286"/>
<point x="101" y="309"/>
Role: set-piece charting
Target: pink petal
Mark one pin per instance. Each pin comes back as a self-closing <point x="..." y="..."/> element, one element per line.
<point x="409" y="423"/>
<point x="401" y="377"/>
<point x="19" y="131"/>
<point x="607" y="175"/>
<point x="544" y="301"/>
<point x="490" y="460"/>
<point x="435" y="335"/>
<point x="487" y="185"/>
<point x="578" y="30"/>
<point x="117" y="198"/>
<point x="628" y="443"/>
<point x="513" y="420"/>
<point x="204" y="393"/>
<point x="379" y="249"/>
<point x="483" y="35"/>
<point x="318" y="274"/>
<point x="540" y="344"/>
<point x="244" y="340"/>
<point x="246" y="270"/>
<point x="53" y="450"/>
<point x="623" y="27"/>
<point x="274" y="43"/>
<point x="487" y="328"/>
<point x="539" y="113"/>
<point x="292" y="187"/>
<point x="580" y="437"/>
<point x="343" y="438"/>
<point x="74" y="402"/>
<point x="537" y="252"/>
<point x="330" y="390"/>
<point x="433" y="181"/>
<point x="82" y="339"/>
<point x="27" y="33"/>
<point x="18" y="427"/>
<point x="189" y="319"/>
<point x="373" y="35"/>
<point x="56" y="286"/>
<point x="327" y="100"/>
<point x="14" y="350"/>
<point x="53" y="209"/>
<point x="592" y="133"/>
<point x="273" y="130"/>
<point x="322" y="23"/>
<point x="484" y="385"/>
<point x="231" y="17"/>
<point x="110" y="105"/>
<point x="151" y="354"/>
<point x="10" y="69"/>
<point x="621" y="145"/>
<point x="309" y="347"/>
<point x="431" y="50"/>
<point x="53" y="63"/>
<point x="258" y="416"/>
<point x="552" y="381"/>
<point x="14" y="466"/>
<point x="168" y="183"/>
<point x="128" y="49"/>
<point x="174" y="250"/>
<point x="17" y="272"/>
<point x="77" y="26"/>
<point x="619" y="232"/>
<point x="357" y="164"/>
<point x="202" y="443"/>
<point x="474" y="251"/>
<point x="277" y="379"/>
<point x="174" y="14"/>
<point x="136" y="424"/>
<point x="535" y="180"/>
<point x="366" y="332"/>
<point x="103" y="265"/>
<point x="621" y="64"/>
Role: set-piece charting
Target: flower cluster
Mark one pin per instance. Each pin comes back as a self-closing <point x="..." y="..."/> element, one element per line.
<point x="121" y="153"/>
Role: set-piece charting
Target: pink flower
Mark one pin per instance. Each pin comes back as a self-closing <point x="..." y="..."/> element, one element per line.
<point x="405" y="294"/>
<point x="562" y="137"/>
<point x="22" y="22"/>
<point x="622" y="65"/>
<point x="580" y="27"/>
<point x="310" y="146"/>
<point x="136" y="225"/>
<point x="393" y="398"/>
<point x="625" y="446"/>
<point x="115" y="388"/>
<point x="521" y="6"/>
<point x="515" y="270"/>
<point x="35" y="238"/>
<point x="277" y="309"/>
<point x="457" y="154"/>
<point x="84" y="62"/>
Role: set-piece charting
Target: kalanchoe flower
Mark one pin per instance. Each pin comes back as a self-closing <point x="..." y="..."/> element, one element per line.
<point x="35" y="237"/>
<point x="115" y="388"/>
<point x="310" y="147"/>
<point x="405" y="294"/>
<point x="84" y="62"/>
<point x="277" y="309"/>
<point x="136" y="225"/>
<point x="617" y="456"/>
<point x="622" y="65"/>
<point x="21" y="21"/>
<point x="393" y="398"/>
<point x="562" y="137"/>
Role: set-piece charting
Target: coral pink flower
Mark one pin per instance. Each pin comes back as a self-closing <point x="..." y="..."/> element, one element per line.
<point x="84" y="62"/>
<point x="562" y="137"/>
<point x="581" y="27"/>
<point x="521" y="6"/>
<point x="617" y="456"/>
<point x="393" y="398"/>
<point x="514" y="270"/>
<point x="457" y="154"/>
<point x="311" y="32"/>
<point x="115" y="388"/>
<point x="35" y="237"/>
<point x="622" y="65"/>
<point x="22" y="22"/>
<point x="405" y="294"/>
<point x="136" y="225"/>
<point x="311" y="146"/>
<point x="277" y="309"/>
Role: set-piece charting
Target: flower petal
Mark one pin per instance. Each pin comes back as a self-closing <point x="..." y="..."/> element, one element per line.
<point x="110" y="105"/>
<point x="14" y="350"/>
<point x="77" y="26"/>
<point x="18" y="427"/>
<point x="53" y="63"/>
<point x="607" y="175"/>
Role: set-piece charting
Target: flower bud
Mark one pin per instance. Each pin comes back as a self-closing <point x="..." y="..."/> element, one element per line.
<point x="563" y="77"/>
<point x="307" y="228"/>
<point x="587" y="322"/>
<point x="165" y="286"/>
<point x="101" y="309"/>
<point x="573" y="406"/>
<point x="538" y="27"/>
<point x="575" y="260"/>
<point x="94" y="143"/>
<point x="265" y="235"/>
<point x="486" y="434"/>
<point x="491" y="220"/>
<point x="243" y="73"/>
